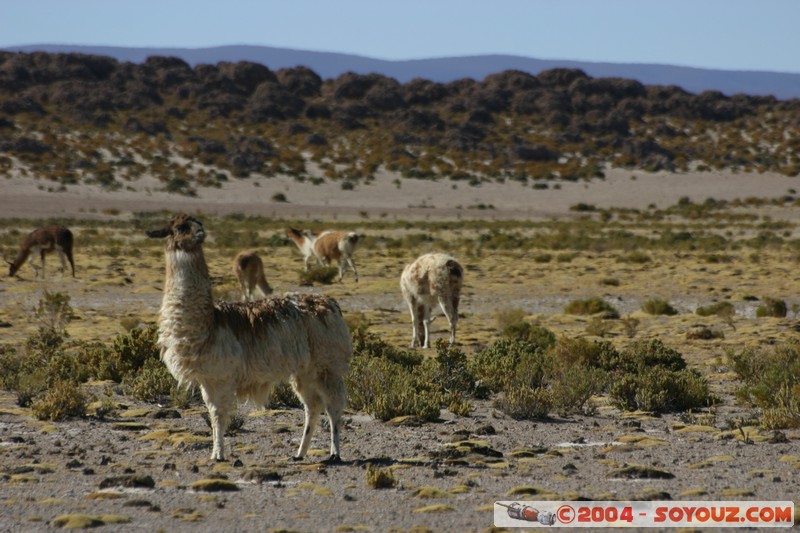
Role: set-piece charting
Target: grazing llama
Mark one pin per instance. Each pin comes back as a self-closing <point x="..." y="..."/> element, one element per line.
<point x="44" y="241"/>
<point x="327" y="247"/>
<point x="432" y="278"/>
<point x="238" y="351"/>
<point x="249" y="270"/>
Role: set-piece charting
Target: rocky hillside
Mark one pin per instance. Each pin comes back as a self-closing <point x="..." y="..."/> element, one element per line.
<point x="74" y="118"/>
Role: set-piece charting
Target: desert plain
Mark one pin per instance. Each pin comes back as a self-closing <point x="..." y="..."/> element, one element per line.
<point x="147" y="468"/>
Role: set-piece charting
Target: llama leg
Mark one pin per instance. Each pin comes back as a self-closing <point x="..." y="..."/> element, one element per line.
<point x="313" y="405"/>
<point x="342" y="267"/>
<point x="452" y="317"/>
<point x="426" y="321"/>
<point x="63" y="262"/>
<point x="413" y="308"/>
<point x="219" y="407"/>
<point x="41" y="254"/>
<point x="243" y="286"/>
<point x="353" y="266"/>
<point x="336" y="397"/>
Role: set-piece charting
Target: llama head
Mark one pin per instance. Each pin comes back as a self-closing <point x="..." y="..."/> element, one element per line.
<point x="183" y="232"/>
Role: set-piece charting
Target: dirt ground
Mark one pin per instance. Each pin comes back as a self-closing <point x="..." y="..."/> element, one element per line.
<point x="148" y="469"/>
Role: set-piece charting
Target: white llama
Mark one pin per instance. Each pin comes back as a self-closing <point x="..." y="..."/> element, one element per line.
<point x="432" y="278"/>
<point x="238" y="351"/>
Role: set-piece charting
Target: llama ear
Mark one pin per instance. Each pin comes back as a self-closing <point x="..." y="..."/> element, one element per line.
<point x="158" y="233"/>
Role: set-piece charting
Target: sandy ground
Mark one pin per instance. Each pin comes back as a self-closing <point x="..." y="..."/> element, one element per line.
<point x="138" y="470"/>
<point x="412" y="199"/>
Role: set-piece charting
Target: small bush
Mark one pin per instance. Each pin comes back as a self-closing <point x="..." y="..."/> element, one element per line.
<point x="380" y="478"/>
<point x="64" y="399"/>
<point x="54" y="311"/>
<point x="591" y="306"/>
<point x="507" y="361"/>
<point x="386" y="382"/>
<point x="521" y="402"/>
<point x="771" y="381"/>
<point x="320" y="275"/>
<point x="720" y="309"/>
<point x="656" y="306"/>
<point x="151" y="383"/>
<point x="583" y="352"/>
<point x="704" y="334"/>
<point x="512" y="325"/>
<point x="127" y="354"/>
<point x="651" y="377"/>
<point x="636" y="258"/>
<point x="771" y="308"/>
<point x="658" y="389"/>
<point x="641" y="355"/>
<point x="284" y="396"/>
<point x="571" y="388"/>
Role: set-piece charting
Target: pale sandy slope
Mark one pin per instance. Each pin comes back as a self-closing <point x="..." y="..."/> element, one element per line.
<point x="393" y="198"/>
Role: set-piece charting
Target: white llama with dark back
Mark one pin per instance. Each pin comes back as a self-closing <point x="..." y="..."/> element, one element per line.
<point x="432" y="279"/>
<point x="238" y="351"/>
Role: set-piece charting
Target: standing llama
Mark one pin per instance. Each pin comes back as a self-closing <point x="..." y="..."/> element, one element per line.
<point x="44" y="241"/>
<point x="249" y="270"/>
<point x="327" y="247"/>
<point x="432" y="278"/>
<point x="238" y="351"/>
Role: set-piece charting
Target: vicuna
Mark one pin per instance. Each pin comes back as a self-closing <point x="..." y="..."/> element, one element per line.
<point x="238" y="351"/>
<point x="44" y="241"/>
<point x="327" y="247"/>
<point x="432" y="278"/>
<point x="249" y="270"/>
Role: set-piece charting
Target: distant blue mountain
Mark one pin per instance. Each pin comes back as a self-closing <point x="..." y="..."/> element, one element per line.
<point x="445" y="69"/>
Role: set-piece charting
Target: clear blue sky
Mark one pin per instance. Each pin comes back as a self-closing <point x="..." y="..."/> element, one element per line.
<point x="725" y="34"/>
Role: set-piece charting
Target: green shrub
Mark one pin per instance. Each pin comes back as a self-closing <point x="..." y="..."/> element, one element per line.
<point x="771" y="307"/>
<point x="521" y="402"/>
<point x="54" y="311"/>
<point x="509" y="361"/>
<point x="656" y="306"/>
<point x="771" y="381"/>
<point x="571" y="388"/>
<point x="591" y="306"/>
<point x="659" y="389"/>
<point x="387" y="382"/>
<point x="571" y="352"/>
<point x="320" y="275"/>
<point x="284" y="396"/>
<point x="641" y="355"/>
<point x="152" y="382"/>
<point x="385" y="390"/>
<point x="127" y="354"/>
<point x="512" y="325"/>
<point x="720" y="309"/>
<point x="62" y="400"/>
<point x="380" y="478"/>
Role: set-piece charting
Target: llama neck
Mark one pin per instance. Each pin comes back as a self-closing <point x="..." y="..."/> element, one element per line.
<point x="187" y="291"/>
<point x="22" y="256"/>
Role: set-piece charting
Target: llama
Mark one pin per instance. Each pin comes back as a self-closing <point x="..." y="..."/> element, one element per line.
<point x="432" y="278"/>
<point x="304" y="239"/>
<point x="249" y="270"/>
<point x="238" y="351"/>
<point x="44" y="241"/>
<point x="327" y="247"/>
